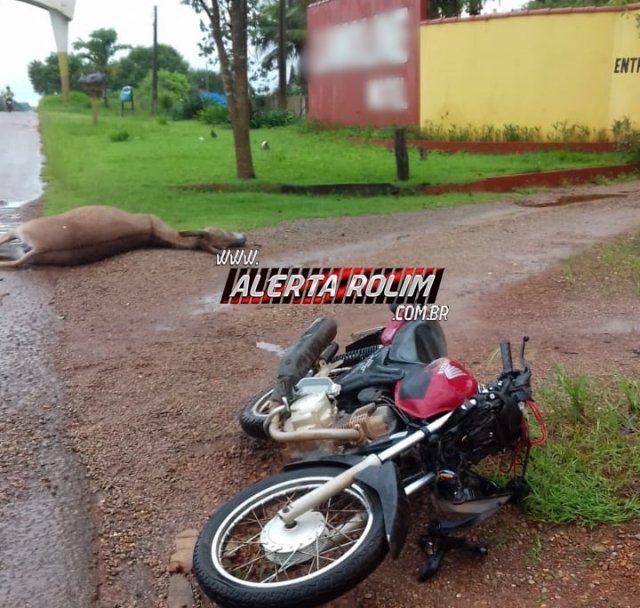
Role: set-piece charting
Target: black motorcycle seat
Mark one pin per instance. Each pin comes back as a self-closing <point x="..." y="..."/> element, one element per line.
<point x="373" y="371"/>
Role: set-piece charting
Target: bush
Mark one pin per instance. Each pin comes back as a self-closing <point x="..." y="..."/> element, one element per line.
<point x="214" y="114"/>
<point x="271" y="118"/>
<point x="627" y="139"/>
<point x="78" y="102"/>
<point x="172" y="87"/>
<point x="629" y="144"/>
<point x="187" y="107"/>
<point x="122" y="135"/>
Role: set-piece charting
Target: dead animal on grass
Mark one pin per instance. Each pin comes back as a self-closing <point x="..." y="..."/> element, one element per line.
<point x="87" y="234"/>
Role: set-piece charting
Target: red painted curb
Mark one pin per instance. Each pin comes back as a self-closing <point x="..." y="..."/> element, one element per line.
<point x="503" y="183"/>
<point x="496" y="147"/>
<point x="545" y="179"/>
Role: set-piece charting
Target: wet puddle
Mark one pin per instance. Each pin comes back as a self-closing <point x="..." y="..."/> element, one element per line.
<point x="9" y="215"/>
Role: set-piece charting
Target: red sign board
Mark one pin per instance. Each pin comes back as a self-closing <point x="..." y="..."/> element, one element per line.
<point x="363" y="61"/>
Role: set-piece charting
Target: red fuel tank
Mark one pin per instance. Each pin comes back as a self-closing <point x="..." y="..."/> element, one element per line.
<point x="437" y="388"/>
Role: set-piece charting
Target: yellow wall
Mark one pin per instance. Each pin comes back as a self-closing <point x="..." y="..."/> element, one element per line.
<point x="533" y="70"/>
<point x="625" y="87"/>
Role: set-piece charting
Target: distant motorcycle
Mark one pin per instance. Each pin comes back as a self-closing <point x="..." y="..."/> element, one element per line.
<point x="8" y="104"/>
<point x="309" y="534"/>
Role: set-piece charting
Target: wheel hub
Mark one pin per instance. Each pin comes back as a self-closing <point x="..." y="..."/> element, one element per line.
<point x="296" y="544"/>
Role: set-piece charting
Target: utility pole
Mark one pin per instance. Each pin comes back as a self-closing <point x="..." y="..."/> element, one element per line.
<point x="402" y="156"/>
<point x="154" y="64"/>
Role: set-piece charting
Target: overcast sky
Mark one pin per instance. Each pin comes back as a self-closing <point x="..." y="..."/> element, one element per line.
<point x="26" y="33"/>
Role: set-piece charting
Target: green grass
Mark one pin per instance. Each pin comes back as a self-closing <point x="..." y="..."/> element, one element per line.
<point x="136" y="163"/>
<point x="589" y="470"/>
<point x="610" y="268"/>
<point x="536" y="550"/>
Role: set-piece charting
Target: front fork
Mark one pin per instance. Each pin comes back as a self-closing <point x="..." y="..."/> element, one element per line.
<point x="291" y="512"/>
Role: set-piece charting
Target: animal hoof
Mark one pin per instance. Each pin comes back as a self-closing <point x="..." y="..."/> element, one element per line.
<point x="239" y="239"/>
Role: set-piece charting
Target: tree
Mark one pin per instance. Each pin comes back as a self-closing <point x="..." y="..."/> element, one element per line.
<point x="172" y="86"/>
<point x="130" y="70"/>
<point x="99" y="51"/>
<point x="45" y="75"/>
<point x="227" y="22"/>
<point x="267" y="37"/>
<point x="454" y="8"/>
<point x="205" y="80"/>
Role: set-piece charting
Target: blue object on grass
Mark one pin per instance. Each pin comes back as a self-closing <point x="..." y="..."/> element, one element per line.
<point x="211" y="97"/>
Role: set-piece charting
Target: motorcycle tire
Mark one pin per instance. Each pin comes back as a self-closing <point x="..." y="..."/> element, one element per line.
<point x="254" y="414"/>
<point x="241" y="572"/>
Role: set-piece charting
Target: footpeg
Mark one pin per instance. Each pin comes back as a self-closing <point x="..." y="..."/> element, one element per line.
<point x="436" y="542"/>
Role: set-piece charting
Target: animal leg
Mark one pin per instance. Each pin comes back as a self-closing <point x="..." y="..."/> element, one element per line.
<point x="8" y="236"/>
<point x="21" y="260"/>
<point x="165" y="236"/>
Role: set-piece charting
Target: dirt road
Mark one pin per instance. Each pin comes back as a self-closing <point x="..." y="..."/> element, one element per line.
<point x="155" y="372"/>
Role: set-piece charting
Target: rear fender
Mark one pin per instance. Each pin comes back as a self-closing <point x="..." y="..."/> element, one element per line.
<point x="385" y="482"/>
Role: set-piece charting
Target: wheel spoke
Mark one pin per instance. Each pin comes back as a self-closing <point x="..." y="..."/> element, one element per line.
<point x="282" y="568"/>
<point x="339" y="533"/>
<point x="243" y="544"/>
<point x="340" y="525"/>
<point x="245" y="564"/>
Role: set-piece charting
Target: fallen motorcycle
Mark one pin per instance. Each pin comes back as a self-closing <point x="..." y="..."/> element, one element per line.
<point x="307" y="535"/>
<point x="314" y="359"/>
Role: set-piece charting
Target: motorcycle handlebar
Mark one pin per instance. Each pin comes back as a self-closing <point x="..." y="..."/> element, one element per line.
<point x="507" y="361"/>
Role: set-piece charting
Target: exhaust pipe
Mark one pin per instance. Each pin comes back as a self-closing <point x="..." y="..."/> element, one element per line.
<point x="353" y="435"/>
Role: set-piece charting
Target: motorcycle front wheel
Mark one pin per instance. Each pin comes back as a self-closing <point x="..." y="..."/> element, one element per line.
<point x="245" y="556"/>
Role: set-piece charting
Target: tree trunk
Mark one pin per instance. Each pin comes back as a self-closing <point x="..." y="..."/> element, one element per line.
<point x="244" y="160"/>
<point x="154" y="65"/>
<point x="235" y="81"/>
<point x="282" y="54"/>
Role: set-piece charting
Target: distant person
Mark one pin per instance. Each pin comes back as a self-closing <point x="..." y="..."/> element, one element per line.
<point x="8" y="98"/>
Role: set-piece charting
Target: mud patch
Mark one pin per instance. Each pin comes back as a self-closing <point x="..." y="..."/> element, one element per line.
<point x="551" y="201"/>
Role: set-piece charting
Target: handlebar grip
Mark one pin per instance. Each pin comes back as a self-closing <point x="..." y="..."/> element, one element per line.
<point x="505" y="352"/>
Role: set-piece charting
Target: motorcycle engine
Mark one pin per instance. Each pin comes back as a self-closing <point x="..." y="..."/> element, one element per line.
<point x="312" y="411"/>
<point x="316" y="408"/>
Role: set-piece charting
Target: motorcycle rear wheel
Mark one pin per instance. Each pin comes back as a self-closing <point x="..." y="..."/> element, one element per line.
<point x="246" y="558"/>
<point x="254" y="414"/>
